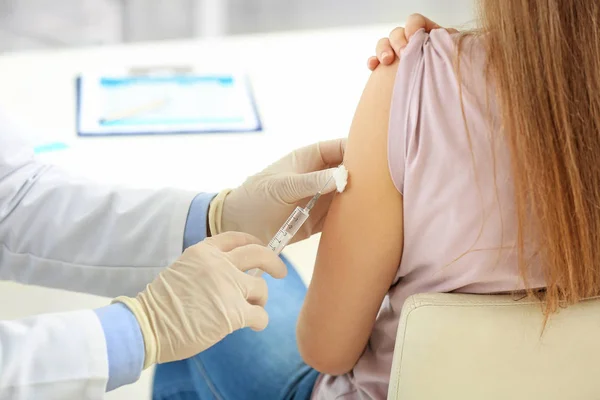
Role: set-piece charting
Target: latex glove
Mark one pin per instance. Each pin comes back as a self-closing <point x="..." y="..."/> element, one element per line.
<point x="263" y="203"/>
<point x="204" y="296"/>
<point x="390" y="47"/>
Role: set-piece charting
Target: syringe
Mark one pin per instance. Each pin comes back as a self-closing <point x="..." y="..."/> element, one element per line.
<point x="291" y="226"/>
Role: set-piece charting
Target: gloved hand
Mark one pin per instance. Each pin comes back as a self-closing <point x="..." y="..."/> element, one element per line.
<point x="204" y="296"/>
<point x="262" y="204"/>
<point x="390" y="47"/>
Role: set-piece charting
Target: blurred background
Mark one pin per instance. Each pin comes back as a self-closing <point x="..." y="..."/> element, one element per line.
<point x="50" y="24"/>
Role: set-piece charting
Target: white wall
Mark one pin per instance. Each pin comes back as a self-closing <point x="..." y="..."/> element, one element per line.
<point x="28" y="24"/>
<point x="269" y="15"/>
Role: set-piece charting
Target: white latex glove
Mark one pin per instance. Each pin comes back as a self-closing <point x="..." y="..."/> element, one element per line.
<point x="204" y="296"/>
<point x="262" y="204"/>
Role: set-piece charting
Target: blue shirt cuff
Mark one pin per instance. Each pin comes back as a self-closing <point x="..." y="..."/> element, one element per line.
<point x="197" y="219"/>
<point x="124" y="345"/>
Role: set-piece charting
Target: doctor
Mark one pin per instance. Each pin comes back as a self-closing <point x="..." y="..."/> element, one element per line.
<point x="65" y="232"/>
<point x="61" y="231"/>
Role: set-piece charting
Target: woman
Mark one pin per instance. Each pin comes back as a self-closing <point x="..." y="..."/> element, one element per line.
<point x="473" y="168"/>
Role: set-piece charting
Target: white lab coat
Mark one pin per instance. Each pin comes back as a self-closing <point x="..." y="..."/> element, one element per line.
<point x="65" y="232"/>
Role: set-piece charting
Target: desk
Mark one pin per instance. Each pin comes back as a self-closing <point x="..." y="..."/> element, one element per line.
<point x="306" y="84"/>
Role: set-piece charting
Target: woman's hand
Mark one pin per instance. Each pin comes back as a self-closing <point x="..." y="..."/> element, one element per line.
<point x="390" y="47"/>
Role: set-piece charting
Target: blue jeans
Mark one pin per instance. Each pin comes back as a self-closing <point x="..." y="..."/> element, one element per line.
<point x="246" y="364"/>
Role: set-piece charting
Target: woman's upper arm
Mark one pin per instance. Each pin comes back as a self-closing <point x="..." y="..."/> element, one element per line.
<point x="361" y="245"/>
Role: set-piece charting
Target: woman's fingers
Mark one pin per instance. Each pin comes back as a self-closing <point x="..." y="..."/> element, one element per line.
<point x="389" y="48"/>
<point x="372" y="63"/>
<point x="398" y="40"/>
<point x="416" y="22"/>
<point x="384" y="51"/>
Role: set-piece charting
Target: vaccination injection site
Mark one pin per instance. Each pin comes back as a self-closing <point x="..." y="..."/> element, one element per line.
<point x="299" y="200"/>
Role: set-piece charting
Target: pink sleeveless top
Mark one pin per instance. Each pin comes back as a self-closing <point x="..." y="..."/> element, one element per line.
<point x="459" y="217"/>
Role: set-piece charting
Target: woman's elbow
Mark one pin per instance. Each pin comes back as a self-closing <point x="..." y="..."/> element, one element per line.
<point x="327" y="359"/>
<point x="326" y="364"/>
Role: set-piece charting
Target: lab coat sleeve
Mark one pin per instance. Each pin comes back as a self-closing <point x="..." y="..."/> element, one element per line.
<point x="53" y="356"/>
<point x="61" y="231"/>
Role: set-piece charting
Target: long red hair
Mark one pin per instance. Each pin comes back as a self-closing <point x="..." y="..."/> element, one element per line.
<point x="544" y="59"/>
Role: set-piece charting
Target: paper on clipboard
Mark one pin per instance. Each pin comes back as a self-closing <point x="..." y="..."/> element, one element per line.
<point x="112" y="104"/>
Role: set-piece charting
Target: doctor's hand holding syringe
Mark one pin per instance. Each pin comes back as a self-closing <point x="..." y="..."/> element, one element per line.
<point x="170" y="310"/>
<point x="69" y="233"/>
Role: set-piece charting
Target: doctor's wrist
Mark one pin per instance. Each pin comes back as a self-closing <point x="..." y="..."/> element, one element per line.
<point x="124" y="345"/>
<point x="197" y="223"/>
<point x="208" y="232"/>
<point x="215" y="213"/>
<point x="149" y="341"/>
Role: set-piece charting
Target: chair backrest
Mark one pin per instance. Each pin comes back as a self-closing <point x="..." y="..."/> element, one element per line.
<point x="474" y="347"/>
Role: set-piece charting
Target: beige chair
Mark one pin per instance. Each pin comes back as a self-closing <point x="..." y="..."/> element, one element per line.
<point x="480" y="347"/>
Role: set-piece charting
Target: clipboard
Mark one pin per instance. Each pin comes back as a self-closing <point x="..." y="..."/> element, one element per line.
<point x="159" y="102"/>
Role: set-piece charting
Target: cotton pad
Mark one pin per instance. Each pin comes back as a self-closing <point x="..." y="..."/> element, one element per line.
<point x="341" y="178"/>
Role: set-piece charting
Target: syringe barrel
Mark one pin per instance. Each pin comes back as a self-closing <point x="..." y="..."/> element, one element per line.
<point x="287" y="231"/>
